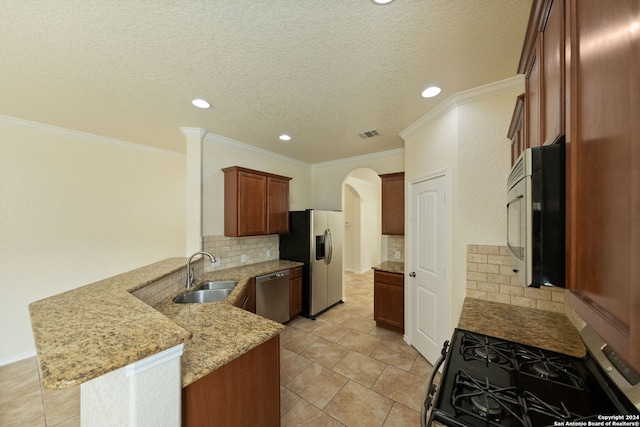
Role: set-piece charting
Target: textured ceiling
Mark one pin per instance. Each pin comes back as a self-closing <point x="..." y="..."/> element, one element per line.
<point x="322" y="71"/>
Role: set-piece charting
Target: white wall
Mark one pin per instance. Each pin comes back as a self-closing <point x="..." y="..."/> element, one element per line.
<point x="351" y="209"/>
<point x="220" y="152"/>
<point x="74" y="209"/>
<point x="467" y="136"/>
<point x="367" y="184"/>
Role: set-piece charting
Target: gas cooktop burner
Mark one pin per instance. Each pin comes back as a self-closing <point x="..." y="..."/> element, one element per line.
<point x="546" y="370"/>
<point x="557" y="369"/>
<point x="481" y="348"/>
<point x="486" y="404"/>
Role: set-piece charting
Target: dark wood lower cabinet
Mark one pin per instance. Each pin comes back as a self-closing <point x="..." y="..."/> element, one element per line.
<point x="388" y="300"/>
<point x="247" y="301"/>
<point x="243" y="393"/>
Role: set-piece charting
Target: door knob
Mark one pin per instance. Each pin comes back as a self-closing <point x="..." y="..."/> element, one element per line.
<point x="412" y="274"/>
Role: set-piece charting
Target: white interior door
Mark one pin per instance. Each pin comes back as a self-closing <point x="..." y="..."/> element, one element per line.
<point x="429" y="236"/>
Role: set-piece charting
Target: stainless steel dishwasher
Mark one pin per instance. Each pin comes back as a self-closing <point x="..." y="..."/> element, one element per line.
<point x="272" y="296"/>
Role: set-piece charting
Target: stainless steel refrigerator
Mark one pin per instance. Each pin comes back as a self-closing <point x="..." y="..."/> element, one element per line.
<point x="316" y="238"/>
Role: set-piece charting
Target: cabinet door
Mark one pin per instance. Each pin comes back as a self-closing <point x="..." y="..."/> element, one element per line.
<point x="393" y="203"/>
<point x="388" y="300"/>
<point x="252" y="204"/>
<point x="553" y="42"/>
<point x="247" y="301"/>
<point x="295" y="292"/>
<point x="277" y="205"/>
<point x="516" y="129"/>
<point x="533" y="100"/>
<point x="604" y="194"/>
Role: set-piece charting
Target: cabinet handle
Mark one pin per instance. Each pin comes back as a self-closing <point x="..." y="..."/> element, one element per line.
<point x="412" y="274"/>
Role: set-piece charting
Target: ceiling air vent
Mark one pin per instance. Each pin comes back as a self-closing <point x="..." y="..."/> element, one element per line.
<point x="369" y="134"/>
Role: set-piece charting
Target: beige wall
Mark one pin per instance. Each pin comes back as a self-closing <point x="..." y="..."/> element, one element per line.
<point x="467" y="137"/>
<point x="327" y="178"/>
<point x="74" y="209"/>
<point x="220" y="152"/>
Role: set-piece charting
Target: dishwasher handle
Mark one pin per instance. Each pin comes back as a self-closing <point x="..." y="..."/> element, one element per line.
<point x="272" y="276"/>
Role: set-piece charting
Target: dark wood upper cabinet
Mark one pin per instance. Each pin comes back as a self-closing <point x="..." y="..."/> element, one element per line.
<point x="543" y="64"/>
<point x="604" y="172"/>
<point x="393" y="203"/>
<point x="516" y="130"/>
<point x="255" y="203"/>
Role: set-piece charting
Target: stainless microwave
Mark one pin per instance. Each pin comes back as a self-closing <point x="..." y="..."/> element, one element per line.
<point x="536" y="215"/>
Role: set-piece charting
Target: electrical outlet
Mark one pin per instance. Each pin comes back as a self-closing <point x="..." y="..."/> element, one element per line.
<point x="397" y="254"/>
<point x="243" y="258"/>
<point x="268" y="253"/>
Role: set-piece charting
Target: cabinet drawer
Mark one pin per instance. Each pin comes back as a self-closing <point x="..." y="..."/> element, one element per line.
<point x="396" y="279"/>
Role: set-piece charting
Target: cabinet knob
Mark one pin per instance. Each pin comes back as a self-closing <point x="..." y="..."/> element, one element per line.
<point x="412" y="274"/>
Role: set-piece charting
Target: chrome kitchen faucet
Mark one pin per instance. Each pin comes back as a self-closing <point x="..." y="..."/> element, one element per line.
<point x="190" y="275"/>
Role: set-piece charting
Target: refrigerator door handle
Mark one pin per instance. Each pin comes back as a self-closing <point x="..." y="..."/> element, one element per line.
<point x="328" y="241"/>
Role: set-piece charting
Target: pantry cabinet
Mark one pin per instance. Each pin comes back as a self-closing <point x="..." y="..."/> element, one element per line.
<point x="393" y="203"/>
<point x="255" y="203"/>
<point x="388" y="300"/>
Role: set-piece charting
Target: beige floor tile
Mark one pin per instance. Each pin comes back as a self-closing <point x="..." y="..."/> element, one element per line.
<point x="61" y="405"/>
<point x="325" y="352"/>
<point x="297" y="340"/>
<point x="421" y="367"/>
<point x="360" y="368"/>
<point x="335" y="316"/>
<point x="358" y="406"/>
<point x="303" y="323"/>
<point x="361" y="324"/>
<point x="22" y="383"/>
<point x="361" y="342"/>
<point x="331" y="331"/>
<point x="18" y="368"/>
<point x="291" y="365"/>
<point x="287" y="400"/>
<point x="71" y="422"/>
<point x="26" y="410"/>
<point x="317" y="385"/>
<point x="401" y="416"/>
<point x="386" y="334"/>
<point x="304" y="414"/>
<point x="401" y="386"/>
<point x="398" y="354"/>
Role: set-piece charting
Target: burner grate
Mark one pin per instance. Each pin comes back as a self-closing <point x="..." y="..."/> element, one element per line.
<point x="484" y="401"/>
<point x="557" y="369"/>
<point x="475" y="347"/>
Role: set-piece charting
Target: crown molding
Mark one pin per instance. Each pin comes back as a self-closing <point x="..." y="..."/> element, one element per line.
<point x="212" y="137"/>
<point x="199" y="132"/>
<point x="55" y="130"/>
<point x="465" y="97"/>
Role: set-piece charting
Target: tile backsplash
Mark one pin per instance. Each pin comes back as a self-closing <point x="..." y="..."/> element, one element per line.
<point x="231" y="249"/>
<point x="395" y="243"/>
<point x="155" y="292"/>
<point x="490" y="277"/>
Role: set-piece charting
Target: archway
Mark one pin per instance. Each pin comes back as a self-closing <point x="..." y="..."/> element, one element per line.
<point x="361" y="204"/>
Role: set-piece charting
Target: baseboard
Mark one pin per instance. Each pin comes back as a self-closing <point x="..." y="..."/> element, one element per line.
<point x="17" y="358"/>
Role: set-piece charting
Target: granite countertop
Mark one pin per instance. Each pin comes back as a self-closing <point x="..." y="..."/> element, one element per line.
<point x="544" y="329"/>
<point x="390" y="267"/>
<point x="90" y="331"/>
<point x="221" y="331"/>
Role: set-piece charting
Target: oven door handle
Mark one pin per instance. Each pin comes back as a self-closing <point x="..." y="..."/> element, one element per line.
<point x="431" y="387"/>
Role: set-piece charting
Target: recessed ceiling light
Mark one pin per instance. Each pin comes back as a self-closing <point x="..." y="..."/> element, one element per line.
<point x="200" y="103"/>
<point x="431" y="92"/>
<point x="382" y="1"/>
<point x="284" y="137"/>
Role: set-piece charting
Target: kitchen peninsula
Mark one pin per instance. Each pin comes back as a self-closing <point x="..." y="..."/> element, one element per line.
<point x="94" y="330"/>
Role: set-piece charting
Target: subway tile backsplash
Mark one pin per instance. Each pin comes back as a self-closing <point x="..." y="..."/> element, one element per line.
<point x="395" y="243"/>
<point x="490" y="277"/>
<point x="231" y="249"/>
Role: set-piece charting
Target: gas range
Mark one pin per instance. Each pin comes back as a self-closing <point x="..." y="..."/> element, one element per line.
<point x="488" y="381"/>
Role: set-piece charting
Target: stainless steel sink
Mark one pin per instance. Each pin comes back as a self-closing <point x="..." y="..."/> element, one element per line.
<point x="199" y="296"/>
<point x="217" y="285"/>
